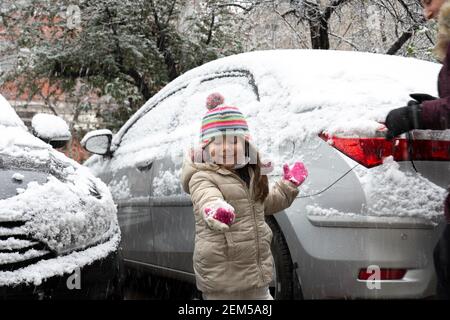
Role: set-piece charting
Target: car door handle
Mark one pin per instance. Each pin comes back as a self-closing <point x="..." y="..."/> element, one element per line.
<point x="145" y="165"/>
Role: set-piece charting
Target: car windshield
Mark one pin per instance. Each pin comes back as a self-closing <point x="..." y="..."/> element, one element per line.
<point x="51" y="165"/>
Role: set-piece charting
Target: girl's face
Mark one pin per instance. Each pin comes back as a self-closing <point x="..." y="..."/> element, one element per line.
<point x="431" y="8"/>
<point x="227" y="151"/>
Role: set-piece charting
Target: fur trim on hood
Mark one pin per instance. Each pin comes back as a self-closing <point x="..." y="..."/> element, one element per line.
<point x="443" y="37"/>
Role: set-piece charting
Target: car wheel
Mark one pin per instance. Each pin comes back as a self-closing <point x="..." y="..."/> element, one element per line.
<point x="285" y="284"/>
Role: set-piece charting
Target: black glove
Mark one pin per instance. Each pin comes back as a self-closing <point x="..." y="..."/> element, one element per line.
<point x="404" y="119"/>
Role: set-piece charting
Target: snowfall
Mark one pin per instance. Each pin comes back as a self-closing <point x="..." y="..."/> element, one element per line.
<point x="302" y="93"/>
<point x="61" y="213"/>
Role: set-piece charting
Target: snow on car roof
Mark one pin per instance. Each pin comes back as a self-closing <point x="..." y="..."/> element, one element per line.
<point x="8" y="116"/>
<point x="14" y="135"/>
<point x="301" y="94"/>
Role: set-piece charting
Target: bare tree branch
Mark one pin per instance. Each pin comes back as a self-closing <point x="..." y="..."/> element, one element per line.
<point x="332" y="7"/>
<point x="211" y="27"/>
<point x="291" y="27"/>
<point x="401" y="41"/>
<point x="169" y="15"/>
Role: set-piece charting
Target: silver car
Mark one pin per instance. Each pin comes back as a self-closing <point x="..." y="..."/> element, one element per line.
<point x="366" y="221"/>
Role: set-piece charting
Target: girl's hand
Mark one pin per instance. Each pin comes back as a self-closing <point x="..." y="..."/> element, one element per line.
<point x="296" y="175"/>
<point x="219" y="215"/>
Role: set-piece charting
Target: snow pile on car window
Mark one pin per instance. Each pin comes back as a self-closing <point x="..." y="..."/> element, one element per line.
<point x="120" y="189"/>
<point x="167" y="183"/>
<point x="50" y="126"/>
<point x="8" y="116"/>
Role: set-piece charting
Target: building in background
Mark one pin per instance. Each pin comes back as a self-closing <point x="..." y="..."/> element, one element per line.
<point x="26" y="108"/>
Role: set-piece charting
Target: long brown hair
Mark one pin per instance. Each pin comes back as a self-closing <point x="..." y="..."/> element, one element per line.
<point x="261" y="184"/>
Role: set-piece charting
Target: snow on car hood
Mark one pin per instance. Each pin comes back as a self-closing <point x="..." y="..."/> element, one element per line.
<point x="64" y="215"/>
<point x="59" y="203"/>
<point x="71" y="210"/>
<point x="302" y="93"/>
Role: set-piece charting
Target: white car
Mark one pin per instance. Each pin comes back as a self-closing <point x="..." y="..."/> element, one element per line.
<point x="371" y="211"/>
<point x="59" y="234"/>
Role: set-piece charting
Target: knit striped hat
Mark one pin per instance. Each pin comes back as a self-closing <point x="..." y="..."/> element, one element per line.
<point x="222" y="120"/>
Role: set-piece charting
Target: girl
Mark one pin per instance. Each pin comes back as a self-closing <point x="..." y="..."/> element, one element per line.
<point x="230" y="195"/>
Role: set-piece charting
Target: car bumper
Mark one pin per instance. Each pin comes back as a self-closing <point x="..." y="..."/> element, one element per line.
<point x="101" y="279"/>
<point x="330" y="255"/>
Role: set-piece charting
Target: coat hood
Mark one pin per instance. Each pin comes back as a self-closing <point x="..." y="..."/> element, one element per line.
<point x="443" y="38"/>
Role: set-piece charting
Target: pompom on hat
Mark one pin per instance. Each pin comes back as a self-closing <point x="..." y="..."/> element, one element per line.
<point x="222" y="120"/>
<point x="213" y="100"/>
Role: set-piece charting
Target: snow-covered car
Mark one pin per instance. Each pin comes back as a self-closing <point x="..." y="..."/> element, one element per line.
<point x="369" y="215"/>
<point x="59" y="233"/>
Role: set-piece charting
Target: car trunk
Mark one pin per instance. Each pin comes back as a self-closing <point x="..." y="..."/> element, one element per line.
<point x="403" y="179"/>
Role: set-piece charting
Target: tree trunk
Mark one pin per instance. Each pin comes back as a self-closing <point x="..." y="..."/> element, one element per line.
<point x="319" y="35"/>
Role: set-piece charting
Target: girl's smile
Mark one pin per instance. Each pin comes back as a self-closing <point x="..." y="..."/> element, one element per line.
<point x="227" y="150"/>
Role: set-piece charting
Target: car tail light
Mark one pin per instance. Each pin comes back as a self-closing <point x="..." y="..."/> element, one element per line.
<point x="385" y="274"/>
<point x="370" y="152"/>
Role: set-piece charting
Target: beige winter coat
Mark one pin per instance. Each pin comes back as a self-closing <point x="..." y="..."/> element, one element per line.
<point x="240" y="258"/>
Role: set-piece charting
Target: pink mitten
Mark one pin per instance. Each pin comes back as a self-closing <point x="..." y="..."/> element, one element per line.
<point x="219" y="215"/>
<point x="297" y="174"/>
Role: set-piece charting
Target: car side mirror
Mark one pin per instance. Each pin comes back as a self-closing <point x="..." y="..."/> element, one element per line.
<point x="51" y="129"/>
<point x="98" y="141"/>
